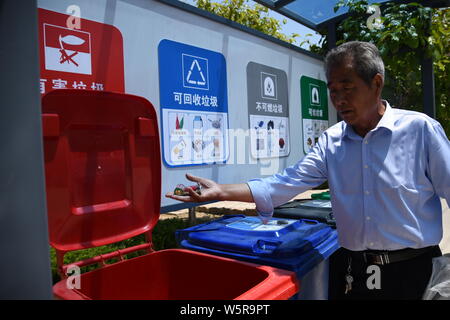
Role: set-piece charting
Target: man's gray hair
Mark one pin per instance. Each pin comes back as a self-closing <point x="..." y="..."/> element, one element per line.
<point x="364" y="57"/>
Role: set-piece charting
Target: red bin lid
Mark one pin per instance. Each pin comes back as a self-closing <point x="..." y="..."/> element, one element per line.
<point x="102" y="167"/>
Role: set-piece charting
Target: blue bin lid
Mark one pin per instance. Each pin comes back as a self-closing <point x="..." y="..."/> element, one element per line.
<point x="285" y="243"/>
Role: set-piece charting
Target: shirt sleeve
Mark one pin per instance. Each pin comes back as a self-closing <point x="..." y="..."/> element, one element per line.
<point x="308" y="173"/>
<point x="439" y="161"/>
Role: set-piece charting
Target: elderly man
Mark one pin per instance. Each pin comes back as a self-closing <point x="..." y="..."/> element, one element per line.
<point x="386" y="169"/>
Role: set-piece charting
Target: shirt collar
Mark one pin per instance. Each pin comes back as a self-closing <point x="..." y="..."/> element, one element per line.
<point x="386" y="121"/>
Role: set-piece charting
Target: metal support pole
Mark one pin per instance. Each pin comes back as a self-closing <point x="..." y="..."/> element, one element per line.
<point x="192" y="218"/>
<point x="332" y="44"/>
<point x="25" y="259"/>
<point x="331" y="36"/>
<point x="428" y="93"/>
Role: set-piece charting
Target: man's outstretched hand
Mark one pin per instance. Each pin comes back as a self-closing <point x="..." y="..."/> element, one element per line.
<point x="210" y="191"/>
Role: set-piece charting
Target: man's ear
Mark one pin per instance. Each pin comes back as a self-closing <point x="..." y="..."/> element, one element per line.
<point x="378" y="83"/>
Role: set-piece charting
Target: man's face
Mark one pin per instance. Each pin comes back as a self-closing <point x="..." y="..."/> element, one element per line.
<point x="354" y="100"/>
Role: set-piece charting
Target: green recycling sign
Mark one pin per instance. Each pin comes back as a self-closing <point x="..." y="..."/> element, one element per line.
<point x="314" y="104"/>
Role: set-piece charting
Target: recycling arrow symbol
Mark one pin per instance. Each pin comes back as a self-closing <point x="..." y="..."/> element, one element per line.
<point x="195" y="64"/>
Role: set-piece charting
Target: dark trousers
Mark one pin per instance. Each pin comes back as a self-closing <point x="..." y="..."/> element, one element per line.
<point x="397" y="281"/>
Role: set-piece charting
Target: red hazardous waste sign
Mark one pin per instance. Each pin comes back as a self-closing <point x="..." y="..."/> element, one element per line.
<point x="90" y="58"/>
<point x="67" y="50"/>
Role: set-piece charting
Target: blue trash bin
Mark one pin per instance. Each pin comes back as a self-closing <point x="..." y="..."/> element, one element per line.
<point x="302" y="246"/>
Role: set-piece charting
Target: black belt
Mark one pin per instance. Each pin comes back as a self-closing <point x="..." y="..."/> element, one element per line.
<point x="380" y="257"/>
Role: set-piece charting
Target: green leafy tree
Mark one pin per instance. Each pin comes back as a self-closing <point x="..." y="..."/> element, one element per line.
<point x="254" y="16"/>
<point x="405" y="34"/>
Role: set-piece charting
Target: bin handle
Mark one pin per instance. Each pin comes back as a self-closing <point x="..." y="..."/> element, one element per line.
<point x="266" y="247"/>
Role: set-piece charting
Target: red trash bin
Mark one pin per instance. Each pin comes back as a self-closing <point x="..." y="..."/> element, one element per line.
<point x="103" y="183"/>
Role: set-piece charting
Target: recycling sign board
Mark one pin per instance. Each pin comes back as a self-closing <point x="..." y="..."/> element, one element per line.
<point x="268" y="109"/>
<point x="314" y="104"/>
<point x="194" y="104"/>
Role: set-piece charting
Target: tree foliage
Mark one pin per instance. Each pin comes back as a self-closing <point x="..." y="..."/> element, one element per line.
<point x="254" y="16"/>
<point x="406" y="34"/>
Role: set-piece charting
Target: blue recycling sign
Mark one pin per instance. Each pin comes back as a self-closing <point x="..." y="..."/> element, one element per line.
<point x="194" y="104"/>
<point x="192" y="78"/>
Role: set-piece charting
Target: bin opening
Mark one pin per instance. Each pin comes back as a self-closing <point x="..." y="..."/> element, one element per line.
<point x="158" y="276"/>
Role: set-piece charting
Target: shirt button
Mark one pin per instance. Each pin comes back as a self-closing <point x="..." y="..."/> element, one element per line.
<point x="367" y="218"/>
<point x="366" y="142"/>
<point x="366" y="166"/>
<point x="371" y="244"/>
<point x="367" y="193"/>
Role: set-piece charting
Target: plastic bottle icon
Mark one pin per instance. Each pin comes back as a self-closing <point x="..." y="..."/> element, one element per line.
<point x="197" y="142"/>
<point x="198" y="122"/>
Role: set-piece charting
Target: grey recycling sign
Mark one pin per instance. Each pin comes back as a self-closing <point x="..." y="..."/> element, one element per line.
<point x="267" y="92"/>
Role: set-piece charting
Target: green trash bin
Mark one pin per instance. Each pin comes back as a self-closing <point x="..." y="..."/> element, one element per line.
<point x="317" y="208"/>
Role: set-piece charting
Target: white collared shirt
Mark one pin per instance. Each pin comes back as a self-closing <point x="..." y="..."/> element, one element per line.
<point x="384" y="188"/>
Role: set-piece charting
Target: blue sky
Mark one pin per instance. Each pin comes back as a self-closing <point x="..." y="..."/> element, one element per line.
<point x="289" y="28"/>
<point x="294" y="27"/>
